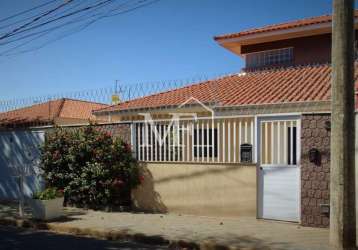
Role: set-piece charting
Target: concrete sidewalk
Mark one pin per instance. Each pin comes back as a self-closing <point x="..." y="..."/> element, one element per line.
<point x="192" y="231"/>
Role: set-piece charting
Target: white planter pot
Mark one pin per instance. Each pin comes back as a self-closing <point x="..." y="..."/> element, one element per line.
<point x="46" y="209"/>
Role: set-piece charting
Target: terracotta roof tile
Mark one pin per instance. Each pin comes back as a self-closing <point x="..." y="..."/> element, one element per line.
<point x="281" y="26"/>
<point x="45" y="113"/>
<point x="78" y="109"/>
<point x="283" y="85"/>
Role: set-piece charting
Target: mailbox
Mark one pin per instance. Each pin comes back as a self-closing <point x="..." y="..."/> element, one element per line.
<point x="314" y="156"/>
<point x="246" y="153"/>
<point x="324" y="209"/>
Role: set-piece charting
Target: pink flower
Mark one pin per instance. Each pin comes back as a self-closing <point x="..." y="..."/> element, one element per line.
<point x="127" y="147"/>
<point x="117" y="183"/>
<point x="56" y="155"/>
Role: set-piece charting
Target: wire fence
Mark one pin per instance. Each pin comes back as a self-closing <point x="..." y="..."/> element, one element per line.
<point x="79" y="105"/>
<point x="44" y="107"/>
<point x="124" y="92"/>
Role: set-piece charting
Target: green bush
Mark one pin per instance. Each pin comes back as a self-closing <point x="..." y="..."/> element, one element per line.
<point x="92" y="168"/>
<point x="48" y="194"/>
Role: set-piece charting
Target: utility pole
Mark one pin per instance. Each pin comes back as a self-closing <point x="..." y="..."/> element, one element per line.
<point x="342" y="189"/>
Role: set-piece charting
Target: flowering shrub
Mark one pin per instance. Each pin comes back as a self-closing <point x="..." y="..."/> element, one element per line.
<point x="92" y="168"/>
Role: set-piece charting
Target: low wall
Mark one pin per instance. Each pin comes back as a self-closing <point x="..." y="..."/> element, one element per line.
<point x="198" y="189"/>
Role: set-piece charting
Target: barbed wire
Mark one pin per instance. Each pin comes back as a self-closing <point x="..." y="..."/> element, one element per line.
<point x="125" y="92"/>
<point x="48" y="106"/>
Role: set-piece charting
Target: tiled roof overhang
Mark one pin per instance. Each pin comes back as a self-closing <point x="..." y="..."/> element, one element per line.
<point x="298" y="84"/>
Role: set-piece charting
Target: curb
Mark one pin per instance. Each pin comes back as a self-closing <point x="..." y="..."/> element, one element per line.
<point x="114" y="235"/>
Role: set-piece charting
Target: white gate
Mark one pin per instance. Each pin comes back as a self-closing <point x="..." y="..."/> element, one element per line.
<point x="279" y="168"/>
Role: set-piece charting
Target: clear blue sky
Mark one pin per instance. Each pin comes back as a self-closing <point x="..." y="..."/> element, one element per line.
<point x="172" y="39"/>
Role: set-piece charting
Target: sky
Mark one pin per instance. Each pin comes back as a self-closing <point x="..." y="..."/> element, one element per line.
<point x="171" y="39"/>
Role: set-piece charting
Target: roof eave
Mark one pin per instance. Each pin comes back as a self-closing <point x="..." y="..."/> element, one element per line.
<point x="321" y="105"/>
<point x="234" y="42"/>
<point x="156" y="108"/>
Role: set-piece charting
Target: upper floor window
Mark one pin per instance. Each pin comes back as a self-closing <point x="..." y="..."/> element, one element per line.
<point x="269" y="58"/>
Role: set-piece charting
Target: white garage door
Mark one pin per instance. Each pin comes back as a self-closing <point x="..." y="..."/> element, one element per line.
<point x="279" y="172"/>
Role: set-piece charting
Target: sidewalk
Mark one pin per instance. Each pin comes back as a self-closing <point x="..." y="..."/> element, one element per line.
<point x="192" y="231"/>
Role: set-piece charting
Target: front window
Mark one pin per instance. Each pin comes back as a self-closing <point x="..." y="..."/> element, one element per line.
<point x="269" y="58"/>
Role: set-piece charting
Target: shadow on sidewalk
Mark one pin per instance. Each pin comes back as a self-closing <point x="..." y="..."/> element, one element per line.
<point x="10" y="210"/>
<point x="19" y="239"/>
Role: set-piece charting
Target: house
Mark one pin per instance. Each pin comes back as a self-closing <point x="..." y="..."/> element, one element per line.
<point x="22" y="132"/>
<point x="255" y="143"/>
<point x="63" y="111"/>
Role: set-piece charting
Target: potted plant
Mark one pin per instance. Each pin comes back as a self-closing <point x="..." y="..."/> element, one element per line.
<point x="47" y="204"/>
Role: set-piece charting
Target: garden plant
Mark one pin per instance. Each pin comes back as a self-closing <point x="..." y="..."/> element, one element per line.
<point x="94" y="169"/>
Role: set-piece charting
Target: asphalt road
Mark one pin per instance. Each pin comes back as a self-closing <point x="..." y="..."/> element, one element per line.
<point x="19" y="239"/>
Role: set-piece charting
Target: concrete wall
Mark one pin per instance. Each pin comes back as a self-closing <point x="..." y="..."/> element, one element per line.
<point x="198" y="189"/>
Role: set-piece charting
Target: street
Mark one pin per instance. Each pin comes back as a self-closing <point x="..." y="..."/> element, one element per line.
<point x="12" y="238"/>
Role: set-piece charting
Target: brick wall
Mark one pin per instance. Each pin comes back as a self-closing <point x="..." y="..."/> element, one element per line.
<point x="315" y="176"/>
<point x="118" y="130"/>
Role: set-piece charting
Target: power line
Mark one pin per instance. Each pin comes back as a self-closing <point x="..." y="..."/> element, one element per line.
<point x="143" y="4"/>
<point x="26" y="11"/>
<point x="79" y="19"/>
<point x="42" y="34"/>
<point x="85" y="19"/>
<point x="17" y="30"/>
<point x="8" y="25"/>
<point x="56" y="19"/>
<point x="48" y="30"/>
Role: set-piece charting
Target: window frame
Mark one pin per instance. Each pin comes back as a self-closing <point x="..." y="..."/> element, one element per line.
<point x="266" y="58"/>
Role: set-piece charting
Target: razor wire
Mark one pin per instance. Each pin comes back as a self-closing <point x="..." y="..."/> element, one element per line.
<point x="124" y="92"/>
<point x="211" y="95"/>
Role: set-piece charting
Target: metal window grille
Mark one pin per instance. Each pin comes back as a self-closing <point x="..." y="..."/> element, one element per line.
<point x="279" y="142"/>
<point x="269" y="57"/>
<point x="204" y="140"/>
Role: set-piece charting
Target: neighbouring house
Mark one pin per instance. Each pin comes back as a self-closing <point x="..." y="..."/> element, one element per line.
<point x="255" y="143"/>
<point x="62" y="111"/>
<point x="21" y="133"/>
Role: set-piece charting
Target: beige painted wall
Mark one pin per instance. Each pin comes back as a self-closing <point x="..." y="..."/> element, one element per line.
<point x="199" y="189"/>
